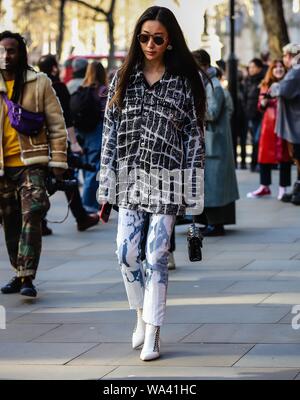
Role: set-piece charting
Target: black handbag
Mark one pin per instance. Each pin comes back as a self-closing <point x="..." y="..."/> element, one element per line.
<point x="194" y="238"/>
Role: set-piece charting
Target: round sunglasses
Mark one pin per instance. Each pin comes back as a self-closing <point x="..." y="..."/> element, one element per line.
<point x="145" y="37"/>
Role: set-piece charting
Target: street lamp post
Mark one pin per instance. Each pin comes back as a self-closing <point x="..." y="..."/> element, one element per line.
<point x="233" y="73"/>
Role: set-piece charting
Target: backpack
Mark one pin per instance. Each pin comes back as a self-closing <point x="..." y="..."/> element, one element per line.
<point x="85" y="110"/>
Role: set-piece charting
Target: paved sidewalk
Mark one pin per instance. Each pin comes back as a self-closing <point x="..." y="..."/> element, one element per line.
<point x="228" y="317"/>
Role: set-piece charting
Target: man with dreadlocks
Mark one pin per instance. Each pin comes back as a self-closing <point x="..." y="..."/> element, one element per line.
<point x="24" y="160"/>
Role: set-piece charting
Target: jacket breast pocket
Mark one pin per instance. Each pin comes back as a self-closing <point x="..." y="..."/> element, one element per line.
<point x="173" y="114"/>
<point x="40" y="139"/>
<point x="132" y="107"/>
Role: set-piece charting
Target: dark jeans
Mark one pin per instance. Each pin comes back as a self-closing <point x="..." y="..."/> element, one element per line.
<point x="284" y="174"/>
<point x="91" y="142"/>
<point x="224" y="215"/>
<point x="23" y="204"/>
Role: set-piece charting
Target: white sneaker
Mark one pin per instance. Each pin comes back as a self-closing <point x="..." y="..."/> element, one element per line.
<point x="281" y="192"/>
<point x="138" y="335"/>
<point x="171" y="261"/>
<point x="151" y="346"/>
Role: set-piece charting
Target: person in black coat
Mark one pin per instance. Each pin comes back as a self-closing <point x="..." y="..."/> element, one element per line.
<point x="251" y="94"/>
<point x="49" y="65"/>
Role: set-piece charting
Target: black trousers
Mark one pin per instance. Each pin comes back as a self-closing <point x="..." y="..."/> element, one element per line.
<point x="224" y="215"/>
<point x="284" y="174"/>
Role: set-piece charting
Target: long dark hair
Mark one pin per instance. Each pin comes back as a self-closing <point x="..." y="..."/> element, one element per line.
<point x="20" y="73"/>
<point x="178" y="61"/>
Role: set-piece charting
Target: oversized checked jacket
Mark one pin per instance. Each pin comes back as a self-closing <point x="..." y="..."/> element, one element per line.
<point x="153" y="140"/>
<point x="49" y="147"/>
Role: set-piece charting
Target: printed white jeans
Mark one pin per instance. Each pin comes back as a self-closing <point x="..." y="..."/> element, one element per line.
<point x="148" y="293"/>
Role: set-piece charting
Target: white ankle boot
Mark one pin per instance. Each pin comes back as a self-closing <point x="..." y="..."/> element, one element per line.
<point x="138" y="335"/>
<point x="151" y="345"/>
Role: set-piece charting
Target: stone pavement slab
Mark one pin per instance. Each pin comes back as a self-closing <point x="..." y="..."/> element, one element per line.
<point x="183" y="355"/>
<point x="41" y="353"/>
<point x="243" y="333"/>
<point x="180" y="288"/>
<point x="268" y="355"/>
<point x="291" y="298"/>
<point x="53" y="372"/>
<point x="274" y="265"/>
<point x="186" y="274"/>
<point x="263" y="286"/>
<point x="287" y="275"/>
<point x="61" y="315"/>
<point x="262" y="255"/>
<point x="72" y="270"/>
<point x="236" y="313"/>
<point x="24" y="333"/>
<point x="202" y="373"/>
<point x="228" y="317"/>
<point x="211" y="264"/>
<point x="109" y="333"/>
<point x="217" y="299"/>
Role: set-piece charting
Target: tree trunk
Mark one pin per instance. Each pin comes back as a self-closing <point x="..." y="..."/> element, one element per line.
<point x="111" y="27"/>
<point x="61" y="28"/>
<point x="109" y="18"/>
<point x="276" y="26"/>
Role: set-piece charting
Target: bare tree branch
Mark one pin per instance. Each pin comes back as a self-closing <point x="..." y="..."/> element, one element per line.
<point x="99" y="20"/>
<point x="112" y="7"/>
<point x="109" y="19"/>
<point x="91" y="7"/>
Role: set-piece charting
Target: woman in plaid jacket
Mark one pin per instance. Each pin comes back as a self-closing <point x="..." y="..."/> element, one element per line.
<point x="152" y="160"/>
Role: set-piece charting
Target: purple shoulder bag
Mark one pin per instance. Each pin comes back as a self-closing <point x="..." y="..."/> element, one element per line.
<point x="26" y="122"/>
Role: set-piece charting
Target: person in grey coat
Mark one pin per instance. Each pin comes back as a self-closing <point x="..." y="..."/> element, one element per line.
<point x="220" y="184"/>
<point x="288" y="116"/>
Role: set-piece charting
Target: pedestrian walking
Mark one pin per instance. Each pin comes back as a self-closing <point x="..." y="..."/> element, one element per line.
<point x="79" y="66"/>
<point x="220" y="184"/>
<point x="272" y="150"/>
<point x="87" y="111"/>
<point x="288" y="116"/>
<point x="153" y="128"/>
<point x="256" y="73"/>
<point x="49" y="65"/>
<point x="24" y="158"/>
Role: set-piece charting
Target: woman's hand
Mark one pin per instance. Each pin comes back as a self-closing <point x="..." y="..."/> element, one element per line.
<point x="264" y="103"/>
